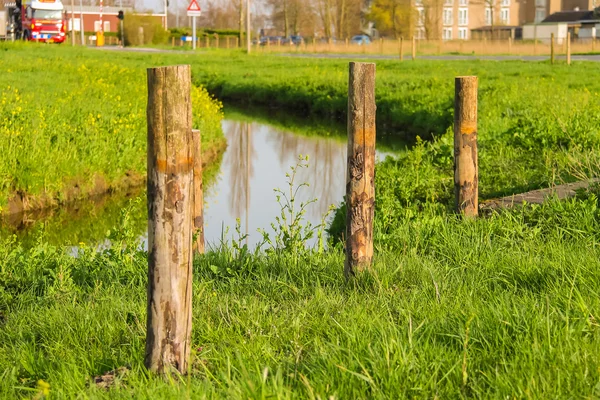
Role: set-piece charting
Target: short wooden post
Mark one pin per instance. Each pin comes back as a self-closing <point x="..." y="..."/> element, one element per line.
<point x="170" y="207"/>
<point x="172" y="41"/>
<point x="227" y="42"/>
<point x="380" y="45"/>
<point x="217" y="41"/>
<point x="237" y="42"/>
<point x="568" y="48"/>
<point x="552" y="48"/>
<point x="206" y="42"/>
<point x="466" y="185"/>
<point x="414" y="48"/>
<point x="401" y="48"/>
<point x="198" y="193"/>
<point x="360" y="178"/>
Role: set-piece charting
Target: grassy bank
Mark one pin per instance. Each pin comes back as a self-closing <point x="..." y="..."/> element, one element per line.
<point x="537" y="122"/>
<point x="73" y="124"/>
<point x="501" y="307"/>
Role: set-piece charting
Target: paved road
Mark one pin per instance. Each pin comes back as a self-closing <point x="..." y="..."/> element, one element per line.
<point x="594" y="58"/>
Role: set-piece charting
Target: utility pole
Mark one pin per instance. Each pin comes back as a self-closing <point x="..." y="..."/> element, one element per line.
<point x="72" y="22"/>
<point x="166" y="15"/>
<point x="248" y="29"/>
<point x="81" y="25"/>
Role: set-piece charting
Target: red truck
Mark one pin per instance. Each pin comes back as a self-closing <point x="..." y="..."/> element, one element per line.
<point x="39" y="20"/>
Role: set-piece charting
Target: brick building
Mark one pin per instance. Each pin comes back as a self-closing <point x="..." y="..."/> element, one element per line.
<point x="91" y="17"/>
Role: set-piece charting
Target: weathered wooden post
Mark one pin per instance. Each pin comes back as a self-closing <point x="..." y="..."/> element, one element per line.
<point x="552" y="48"/>
<point x="360" y="178"/>
<point x="401" y="48"/>
<point x="198" y="193"/>
<point x="466" y="186"/>
<point x="170" y="207"/>
<point x="568" y="48"/>
<point x="414" y="48"/>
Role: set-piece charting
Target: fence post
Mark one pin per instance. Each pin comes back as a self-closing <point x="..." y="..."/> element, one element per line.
<point x="466" y="167"/>
<point x="198" y="193"/>
<point x="360" y="177"/>
<point x="401" y="48"/>
<point x="170" y="206"/>
<point x="552" y="48"/>
<point x="414" y="48"/>
<point x="568" y="48"/>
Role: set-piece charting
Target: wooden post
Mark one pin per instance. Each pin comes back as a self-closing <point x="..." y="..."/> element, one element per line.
<point x="401" y="48"/>
<point x="206" y="42"/>
<point x="568" y="48"/>
<point x="552" y="48"/>
<point x="314" y="45"/>
<point x="170" y="208"/>
<point x="198" y="193"/>
<point x="216" y="41"/>
<point x="466" y="185"/>
<point x="439" y="49"/>
<point x="172" y="41"/>
<point x="414" y="48"/>
<point x="347" y="44"/>
<point x="227" y="42"/>
<point x="360" y="178"/>
<point x="237" y="42"/>
<point x="380" y="45"/>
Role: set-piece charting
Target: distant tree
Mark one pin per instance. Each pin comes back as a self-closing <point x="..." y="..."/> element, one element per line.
<point x="393" y="17"/>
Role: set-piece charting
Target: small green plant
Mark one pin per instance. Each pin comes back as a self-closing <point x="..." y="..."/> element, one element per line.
<point x="292" y="233"/>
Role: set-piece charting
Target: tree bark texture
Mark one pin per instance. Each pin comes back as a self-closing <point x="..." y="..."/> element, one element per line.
<point x="465" y="146"/>
<point x="170" y="208"/>
<point x="198" y="193"/>
<point x="360" y="178"/>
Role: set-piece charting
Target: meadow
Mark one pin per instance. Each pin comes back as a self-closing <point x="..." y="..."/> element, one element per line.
<point x="73" y="124"/>
<point x="502" y="306"/>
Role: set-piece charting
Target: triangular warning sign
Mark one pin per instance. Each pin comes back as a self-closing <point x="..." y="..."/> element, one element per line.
<point x="193" y="6"/>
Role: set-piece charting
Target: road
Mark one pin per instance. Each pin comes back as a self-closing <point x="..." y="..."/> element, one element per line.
<point x="593" y="58"/>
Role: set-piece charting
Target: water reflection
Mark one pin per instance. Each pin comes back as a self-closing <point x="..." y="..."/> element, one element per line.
<point x="255" y="163"/>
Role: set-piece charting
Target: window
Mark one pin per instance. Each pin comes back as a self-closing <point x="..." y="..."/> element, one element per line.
<point x="462" y="33"/>
<point x="505" y="3"/>
<point x="463" y="2"/>
<point x="97" y="26"/>
<point x="447" y="34"/>
<point x="539" y="15"/>
<point x="74" y="23"/>
<point x="463" y="16"/>
<point x="488" y="16"/>
<point x="418" y="2"/>
<point x="420" y="33"/>
<point x="106" y="26"/>
<point x="447" y="2"/>
<point x="505" y="16"/>
<point x="421" y="18"/>
<point x="447" y="16"/>
<point x="540" y="3"/>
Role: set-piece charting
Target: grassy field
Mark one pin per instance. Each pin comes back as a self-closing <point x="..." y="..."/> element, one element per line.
<point x="73" y="123"/>
<point x="505" y="306"/>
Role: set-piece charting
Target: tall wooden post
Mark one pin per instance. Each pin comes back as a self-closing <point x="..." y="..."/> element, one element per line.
<point x="414" y="48"/>
<point x="401" y="48"/>
<point x="360" y="178"/>
<point x="170" y="207"/>
<point x="568" y="48"/>
<point x="552" y="48"/>
<point x="466" y="185"/>
<point x="198" y="193"/>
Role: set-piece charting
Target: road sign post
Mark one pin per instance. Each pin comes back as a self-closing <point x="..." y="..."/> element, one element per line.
<point x="194" y="11"/>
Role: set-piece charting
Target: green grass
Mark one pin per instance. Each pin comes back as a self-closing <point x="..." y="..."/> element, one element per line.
<point x="73" y="122"/>
<point x="503" y="306"/>
<point x="500" y="307"/>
